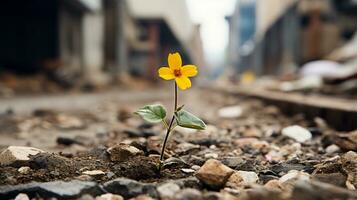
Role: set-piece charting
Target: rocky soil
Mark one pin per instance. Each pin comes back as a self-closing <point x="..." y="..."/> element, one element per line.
<point x="248" y="151"/>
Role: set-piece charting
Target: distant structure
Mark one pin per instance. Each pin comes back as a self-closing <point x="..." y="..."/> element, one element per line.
<point x="287" y="33"/>
<point x="95" y="40"/>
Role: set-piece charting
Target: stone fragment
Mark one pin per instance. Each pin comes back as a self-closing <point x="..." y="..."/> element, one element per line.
<point x="22" y="196"/>
<point x="57" y="189"/>
<point x="310" y="190"/>
<point x="188" y="194"/>
<point x="232" y="162"/>
<point x="123" y="152"/>
<point x="142" y="197"/>
<point x="214" y="173"/>
<point x="332" y="149"/>
<point x="230" y="112"/>
<point x="297" y="133"/>
<point x="109" y="196"/>
<point x="241" y="178"/>
<point x="168" y="190"/>
<point x="211" y="155"/>
<point x="24" y="170"/>
<point x="130" y="188"/>
<point x="94" y="173"/>
<point x="186" y="147"/>
<point x="187" y="171"/>
<point x="293" y="176"/>
<point x="18" y="155"/>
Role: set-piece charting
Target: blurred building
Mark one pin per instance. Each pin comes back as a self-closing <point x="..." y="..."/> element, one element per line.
<point x="95" y="39"/>
<point x="164" y="27"/>
<point x="290" y="33"/>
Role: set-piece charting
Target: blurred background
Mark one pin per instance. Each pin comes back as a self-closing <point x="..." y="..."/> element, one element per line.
<point x="57" y="45"/>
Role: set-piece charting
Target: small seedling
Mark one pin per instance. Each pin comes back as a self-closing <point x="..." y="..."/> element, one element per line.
<point x="181" y="117"/>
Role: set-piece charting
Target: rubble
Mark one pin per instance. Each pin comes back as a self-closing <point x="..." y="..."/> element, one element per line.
<point x="297" y="133"/>
<point x="122" y="152"/>
<point x="18" y="155"/>
<point x="214" y="173"/>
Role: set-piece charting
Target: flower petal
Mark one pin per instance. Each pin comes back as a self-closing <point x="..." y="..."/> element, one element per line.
<point x="174" y="60"/>
<point x="183" y="82"/>
<point x="189" y="70"/>
<point x="166" y="73"/>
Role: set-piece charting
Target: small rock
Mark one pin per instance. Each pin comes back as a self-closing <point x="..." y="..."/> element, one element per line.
<point x="84" y="178"/>
<point x="195" y="167"/>
<point x="273" y="185"/>
<point x="297" y="133"/>
<point x="17" y="155"/>
<point x="232" y="162"/>
<point x="174" y="162"/>
<point x="57" y="189"/>
<point x="187" y="171"/>
<point x="293" y="176"/>
<point x="109" y="196"/>
<point x="211" y="155"/>
<point x="94" y="173"/>
<point x="168" y="190"/>
<point x="130" y="188"/>
<point x="188" y="194"/>
<point x="186" y="147"/>
<point x="253" y="132"/>
<point x="22" y="196"/>
<point x="122" y="152"/>
<point x="332" y="149"/>
<point x="24" y="170"/>
<point x="230" y="112"/>
<point x="214" y="173"/>
<point x="142" y="197"/>
<point x="67" y="141"/>
<point x="241" y="178"/>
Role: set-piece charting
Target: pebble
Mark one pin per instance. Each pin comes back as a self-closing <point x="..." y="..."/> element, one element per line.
<point x="186" y="147"/>
<point x="332" y="149"/>
<point x="16" y="155"/>
<point x="214" y="173"/>
<point x="129" y="188"/>
<point x="142" y="197"/>
<point x="241" y="178"/>
<point x="94" y="173"/>
<point x="294" y="175"/>
<point x="22" y="196"/>
<point x="347" y="141"/>
<point x="230" y="112"/>
<point x="297" y="133"/>
<point x="123" y="152"/>
<point x="109" y="196"/>
<point x="187" y="171"/>
<point x="195" y="167"/>
<point x="168" y="190"/>
<point x="24" y="170"/>
<point x="188" y="194"/>
<point x="211" y="155"/>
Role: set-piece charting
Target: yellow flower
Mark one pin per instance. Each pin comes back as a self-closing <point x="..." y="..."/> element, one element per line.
<point x="178" y="72"/>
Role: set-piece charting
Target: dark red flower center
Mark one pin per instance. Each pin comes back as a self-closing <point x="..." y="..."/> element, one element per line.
<point x="177" y="72"/>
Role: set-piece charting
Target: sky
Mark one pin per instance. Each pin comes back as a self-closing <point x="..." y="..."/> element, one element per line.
<point x="214" y="28"/>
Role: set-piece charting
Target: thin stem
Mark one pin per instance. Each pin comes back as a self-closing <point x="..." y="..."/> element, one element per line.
<point x="169" y="128"/>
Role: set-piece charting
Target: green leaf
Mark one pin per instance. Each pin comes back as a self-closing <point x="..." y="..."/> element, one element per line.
<point x="152" y="113"/>
<point x="188" y="120"/>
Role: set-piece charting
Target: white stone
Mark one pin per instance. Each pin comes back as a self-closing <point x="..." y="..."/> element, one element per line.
<point x="24" y="170"/>
<point x="109" y="196"/>
<point x="14" y="154"/>
<point x="168" y="190"/>
<point x="230" y="112"/>
<point x="195" y="167"/>
<point x="241" y="178"/>
<point x="22" y="196"/>
<point x="294" y="175"/>
<point x="211" y="155"/>
<point x="332" y="149"/>
<point x="297" y="133"/>
<point x="187" y="171"/>
<point x="94" y="172"/>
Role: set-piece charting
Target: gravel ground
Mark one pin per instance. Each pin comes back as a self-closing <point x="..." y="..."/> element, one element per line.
<point x="93" y="145"/>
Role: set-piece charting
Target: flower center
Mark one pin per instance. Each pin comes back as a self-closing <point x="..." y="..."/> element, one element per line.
<point x="177" y="72"/>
